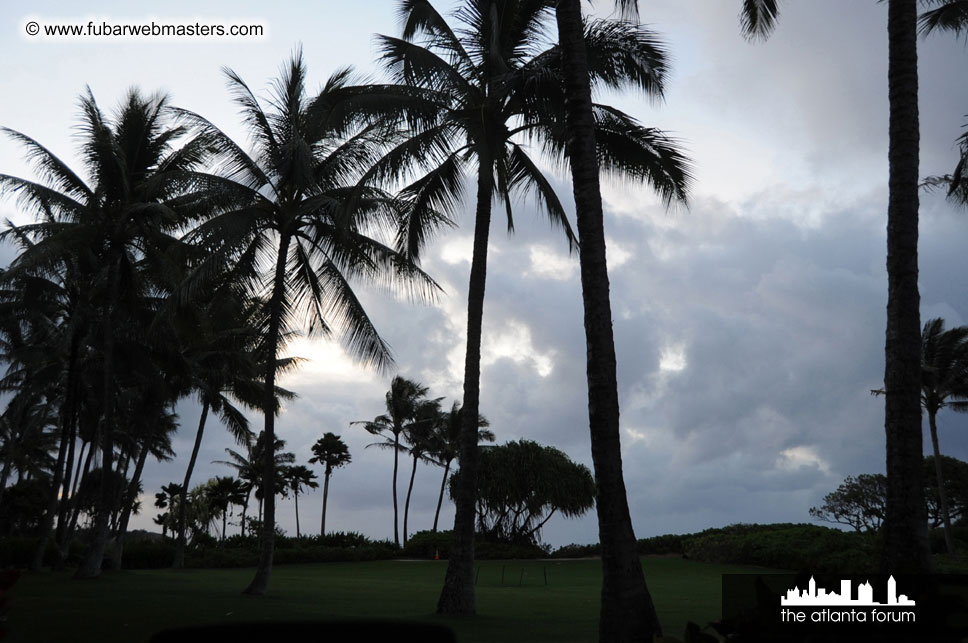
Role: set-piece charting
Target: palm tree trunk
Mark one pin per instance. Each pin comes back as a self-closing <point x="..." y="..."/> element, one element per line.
<point x="457" y="595"/>
<point x="322" y="522"/>
<point x="62" y="470"/>
<point x="179" y="562"/>
<point x="396" y="462"/>
<point x="245" y="509"/>
<point x="132" y="497"/>
<point x="942" y="494"/>
<point x="905" y="523"/>
<point x="64" y="543"/>
<point x="406" y="506"/>
<point x="295" y="497"/>
<point x="260" y="583"/>
<point x="91" y="567"/>
<point x="627" y="611"/>
<point x="440" y="497"/>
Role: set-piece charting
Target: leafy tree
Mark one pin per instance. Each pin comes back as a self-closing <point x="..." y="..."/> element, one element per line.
<point x="475" y="94"/>
<point x="446" y="445"/>
<point x="296" y="478"/>
<point x="331" y="452"/>
<point x="944" y="383"/>
<point x="402" y="401"/>
<point x="298" y="193"/>
<point x="522" y="484"/>
<point x="955" y="486"/>
<point x="222" y="492"/>
<point x="858" y="502"/>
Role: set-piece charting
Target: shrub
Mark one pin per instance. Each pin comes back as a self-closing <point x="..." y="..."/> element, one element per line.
<point x="425" y="544"/>
<point x="146" y="554"/>
<point x="577" y="551"/>
<point x="661" y="545"/>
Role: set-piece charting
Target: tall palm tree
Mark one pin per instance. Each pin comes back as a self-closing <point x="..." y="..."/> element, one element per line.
<point x="944" y="383"/>
<point x="627" y="611"/>
<point x="295" y="202"/>
<point x="331" y="452"/>
<point x="119" y="223"/>
<point x="296" y="478"/>
<point x="476" y="95"/>
<point x="446" y="445"/>
<point x="402" y="401"/>
<point x="905" y="522"/>
<point x="419" y="435"/>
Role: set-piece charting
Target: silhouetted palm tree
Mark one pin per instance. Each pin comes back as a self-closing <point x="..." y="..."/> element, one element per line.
<point x="331" y="452"/>
<point x="627" y="611"/>
<point x="402" y="401"/>
<point x="446" y="445"/>
<point x="296" y="199"/>
<point x="296" y="478"/>
<point x="476" y="95"/>
<point x="944" y="383"/>
<point x="119" y="224"/>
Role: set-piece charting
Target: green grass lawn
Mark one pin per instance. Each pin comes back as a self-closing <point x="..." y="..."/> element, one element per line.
<point x="129" y="606"/>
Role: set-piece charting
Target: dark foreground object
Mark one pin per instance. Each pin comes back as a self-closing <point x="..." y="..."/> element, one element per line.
<point x="398" y="632"/>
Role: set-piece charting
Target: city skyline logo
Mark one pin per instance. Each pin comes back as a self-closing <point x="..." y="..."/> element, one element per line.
<point x="818" y="596"/>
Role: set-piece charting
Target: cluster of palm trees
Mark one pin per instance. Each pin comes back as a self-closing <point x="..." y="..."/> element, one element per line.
<point x="419" y="427"/>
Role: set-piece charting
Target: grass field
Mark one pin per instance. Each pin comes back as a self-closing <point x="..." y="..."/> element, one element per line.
<point x="130" y="606"/>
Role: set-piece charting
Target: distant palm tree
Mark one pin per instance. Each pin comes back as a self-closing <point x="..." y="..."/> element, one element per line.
<point x="446" y="445"/>
<point x="166" y="499"/>
<point x="419" y="435"/>
<point x="402" y="401"/>
<point x="296" y="478"/>
<point x="474" y="97"/>
<point x="297" y="193"/>
<point x="331" y="452"/>
<point x="944" y="383"/>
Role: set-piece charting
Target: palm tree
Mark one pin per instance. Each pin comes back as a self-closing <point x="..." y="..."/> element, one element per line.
<point x="166" y="499"/>
<point x="419" y="435"/>
<point x="119" y="225"/>
<point x="944" y="383"/>
<point x="446" y="445"/>
<point x="402" y="401"/>
<point x="297" y="192"/>
<point x="331" y="452"/>
<point x="223" y="491"/>
<point x="220" y="355"/>
<point x="627" y="611"/>
<point x="296" y="478"/>
<point x="476" y="94"/>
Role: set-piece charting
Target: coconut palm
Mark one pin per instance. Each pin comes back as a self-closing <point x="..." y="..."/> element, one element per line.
<point x="627" y="611"/>
<point x="294" y="203"/>
<point x="944" y="384"/>
<point x="119" y="224"/>
<point x="419" y="435"/>
<point x="166" y="499"/>
<point x="220" y="356"/>
<point x="402" y="401"/>
<point x="297" y="478"/>
<point x="222" y="492"/>
<point x="331" y="452"/>
<point x="475" y="96"/>
<point x="446" y="445"/>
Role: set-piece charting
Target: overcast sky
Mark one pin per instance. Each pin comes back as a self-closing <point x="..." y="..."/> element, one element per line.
<point x="749" y="327"/>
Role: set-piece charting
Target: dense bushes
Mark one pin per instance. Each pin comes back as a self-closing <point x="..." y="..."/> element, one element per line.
<point x="783" y="546"/>
<point x="427" y="544"/>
